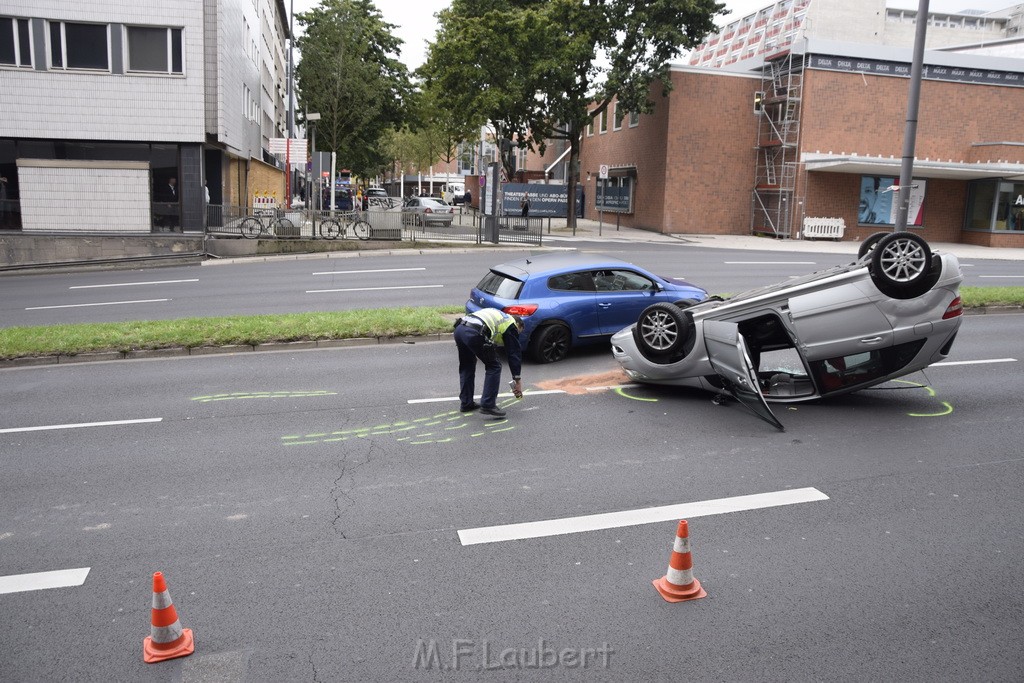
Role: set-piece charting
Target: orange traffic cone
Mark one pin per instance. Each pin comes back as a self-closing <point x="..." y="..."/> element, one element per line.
<point x="168" y="639"/>
<point x="678" y="584"/>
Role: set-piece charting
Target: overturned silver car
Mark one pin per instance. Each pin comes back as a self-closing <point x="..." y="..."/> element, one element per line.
<point x="892" y="312"/>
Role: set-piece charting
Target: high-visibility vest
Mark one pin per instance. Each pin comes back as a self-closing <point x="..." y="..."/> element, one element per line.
<point x="496" y="321"/>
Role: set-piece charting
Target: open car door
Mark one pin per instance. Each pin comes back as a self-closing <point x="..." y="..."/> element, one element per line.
<point x="727" y="351"/>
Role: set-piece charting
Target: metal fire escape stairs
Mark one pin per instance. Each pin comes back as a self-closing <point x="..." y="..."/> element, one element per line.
<point x="774" y="203"/>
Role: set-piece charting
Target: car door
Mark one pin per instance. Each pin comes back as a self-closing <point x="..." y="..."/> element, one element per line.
<point x="622" y="295"/>
<point x="572" y="300"/>
<point x="838" y="321"/>
<point x="728" y="354"/>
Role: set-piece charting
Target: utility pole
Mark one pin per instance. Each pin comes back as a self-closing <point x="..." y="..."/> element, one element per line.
<point x="910" y="132"/>
<point x="290" y="121"/>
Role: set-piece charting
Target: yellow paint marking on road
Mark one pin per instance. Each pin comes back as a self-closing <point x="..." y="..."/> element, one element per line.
<point x="622" y="393"/>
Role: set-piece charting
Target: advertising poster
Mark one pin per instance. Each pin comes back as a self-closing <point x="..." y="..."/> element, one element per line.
<point x="879" y="197"/>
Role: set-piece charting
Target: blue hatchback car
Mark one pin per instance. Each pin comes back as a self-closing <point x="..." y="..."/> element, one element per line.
<point x="571" y="299"/>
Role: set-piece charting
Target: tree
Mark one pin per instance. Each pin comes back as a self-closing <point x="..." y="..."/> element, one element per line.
<point x="542" y="69"/>
<point x="350" y="73"/>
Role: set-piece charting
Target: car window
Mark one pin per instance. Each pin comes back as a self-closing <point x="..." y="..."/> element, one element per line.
<point x="572" y="282"/>
<point x="621" y="280"/>
<point x="851" y="370"/>
<point x="500" y="286"/>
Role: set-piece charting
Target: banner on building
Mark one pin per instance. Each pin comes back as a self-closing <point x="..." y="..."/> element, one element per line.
<point x="879" y="201"/>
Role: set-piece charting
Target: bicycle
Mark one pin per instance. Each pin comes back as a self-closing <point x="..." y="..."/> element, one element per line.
<point x="253" y="226"/>
<point x="333" y="228"/>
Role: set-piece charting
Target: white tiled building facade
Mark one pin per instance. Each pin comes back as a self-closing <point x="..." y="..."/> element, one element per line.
<point x="105" y="100"/>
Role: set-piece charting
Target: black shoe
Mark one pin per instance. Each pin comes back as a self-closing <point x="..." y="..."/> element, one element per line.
<point x="495" y="411"/>
<point x="470" y="408"/>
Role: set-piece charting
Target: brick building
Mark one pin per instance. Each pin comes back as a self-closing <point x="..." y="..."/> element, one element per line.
<point x="825" y="144"/>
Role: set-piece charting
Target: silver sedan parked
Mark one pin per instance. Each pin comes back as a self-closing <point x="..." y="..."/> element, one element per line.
<point x="427" y="211"/>
<point x="892" y="312"/>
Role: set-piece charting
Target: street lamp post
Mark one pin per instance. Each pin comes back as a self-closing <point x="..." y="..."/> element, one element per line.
<point x="311" y="119"/>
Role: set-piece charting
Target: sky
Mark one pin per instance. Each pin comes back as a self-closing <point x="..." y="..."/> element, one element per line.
<point x="417" y="24"/>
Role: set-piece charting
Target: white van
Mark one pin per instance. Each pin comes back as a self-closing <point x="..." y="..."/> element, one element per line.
<point x="453" y="192"/>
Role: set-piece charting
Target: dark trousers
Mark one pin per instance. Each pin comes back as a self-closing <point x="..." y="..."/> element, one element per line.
<point x="472" y="345"/>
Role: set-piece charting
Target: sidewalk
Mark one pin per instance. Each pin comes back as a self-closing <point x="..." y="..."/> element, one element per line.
<point x="591" y="230"/>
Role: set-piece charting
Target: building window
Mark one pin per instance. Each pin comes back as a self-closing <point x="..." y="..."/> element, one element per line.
<point x="617" y="117"/>
<point x="590" y="127"/>
<point x="15" y="43"/>
<point x="634" y="119"/>
<point x="995" y="206"/>
<point x="604" y="121"/>
<point x="79" y="46"/>
<point x="154" y="49"/>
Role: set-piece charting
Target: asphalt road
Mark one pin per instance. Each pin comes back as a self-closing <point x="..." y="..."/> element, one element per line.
<point x="309" y="511"/>
<point x="327" y="284"/>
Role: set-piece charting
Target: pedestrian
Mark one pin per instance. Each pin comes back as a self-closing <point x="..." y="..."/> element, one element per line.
<point x="478" y="335"/>
<point x="3" y="200"/>
<point x="468" y="199"/>
<point x="524" y="204"/>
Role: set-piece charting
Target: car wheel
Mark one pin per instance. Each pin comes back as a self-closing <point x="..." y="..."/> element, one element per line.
<point x="662" y="331"/>
<point x="901" y="265"/>
<point x="550" y="343"/>
<point x="869" y="244"/>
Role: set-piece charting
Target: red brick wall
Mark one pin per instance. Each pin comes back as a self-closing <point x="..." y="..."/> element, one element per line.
<point x="642" y="147"/>
<point x="851" y="112"/>
<point x="694" y="157"/>
<point x="836" y="195"/>
<point x="710" y="146"/>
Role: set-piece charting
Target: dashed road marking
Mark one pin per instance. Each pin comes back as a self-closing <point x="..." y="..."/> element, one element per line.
<point x="61" y="578"/>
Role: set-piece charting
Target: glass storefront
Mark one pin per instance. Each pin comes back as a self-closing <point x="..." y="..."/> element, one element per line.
<point x="995" y="206"/>
<point x="164" y="163"/>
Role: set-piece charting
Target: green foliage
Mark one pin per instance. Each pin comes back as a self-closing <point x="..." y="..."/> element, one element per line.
<point x="539" y="70"/>
<point x="351" y="75"/>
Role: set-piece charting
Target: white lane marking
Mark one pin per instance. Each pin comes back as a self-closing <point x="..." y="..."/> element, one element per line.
<point x="133" y="284"/>
<point x="11" y="430"/>
<point x="974" y="362"/>
<point x="770" y="263"/>
<point x="61" y="578"/>
<point x="105" y="303"/>
<point x="614" y="520"/>
<point x="456" y="398"/>
<point x="369" y="289"/>
<point x="380" y="270"/>
<point x="1001" y="276"/>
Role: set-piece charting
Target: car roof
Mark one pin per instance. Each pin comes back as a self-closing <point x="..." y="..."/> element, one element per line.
<point x="558" y="262"/>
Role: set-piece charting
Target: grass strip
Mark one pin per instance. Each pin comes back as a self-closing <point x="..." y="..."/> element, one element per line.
<point x="18" y="342"/>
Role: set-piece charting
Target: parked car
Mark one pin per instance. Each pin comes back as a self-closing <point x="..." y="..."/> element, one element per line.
<point x="571" y="299"/>
<point x="427" y="211"/>
<point x="892" y="312"/>
<point x="376" y="192"/>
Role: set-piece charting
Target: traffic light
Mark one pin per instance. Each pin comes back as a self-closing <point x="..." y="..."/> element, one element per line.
<point x="758" y="101"/>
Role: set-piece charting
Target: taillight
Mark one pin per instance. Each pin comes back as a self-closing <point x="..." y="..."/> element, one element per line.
<point x="522" y="310"/>
<point x="955" y="308"/>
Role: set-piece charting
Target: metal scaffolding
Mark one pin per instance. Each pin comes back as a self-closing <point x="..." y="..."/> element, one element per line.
<point x="775" y="204"/>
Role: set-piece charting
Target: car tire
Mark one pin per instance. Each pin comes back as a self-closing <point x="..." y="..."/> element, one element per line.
<point x="664" y="333"/>
<point x="550" y="343"/>
<point x="869" y="244"/>
<point x="902" y="266"/>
